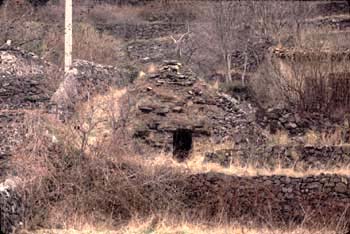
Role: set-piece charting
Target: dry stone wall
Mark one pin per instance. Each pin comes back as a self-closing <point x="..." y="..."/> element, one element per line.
<point x="151" y="51"/>
<point x="23" y="92"/>
<point x="277" y="119"/>
<point x="273" y="199"/>
<point x="297" y="157"/>
<point x="143" y="31"/>
<point x="24" y="79"/>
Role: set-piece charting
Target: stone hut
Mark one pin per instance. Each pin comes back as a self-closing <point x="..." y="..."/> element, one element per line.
<point x="172" y="108"/>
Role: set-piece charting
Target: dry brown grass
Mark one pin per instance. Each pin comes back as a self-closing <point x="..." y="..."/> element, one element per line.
<point x="114" y="14"/>
<point x="335" y="137"/>
<point x="89" y="44"/>
<point x="107" y="187"/>
<point x="196" y="165"/>
<point x="171" y="226"/>
<point x="280" y="138"/>
<point x="64" y="174"/>
<point x="94" y="46"/>
<point x="41" y="32"/>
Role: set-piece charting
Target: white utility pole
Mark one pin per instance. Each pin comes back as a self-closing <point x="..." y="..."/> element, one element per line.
<point x="68" y="36"/>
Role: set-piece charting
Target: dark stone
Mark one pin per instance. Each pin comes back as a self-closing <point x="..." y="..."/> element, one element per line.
<point x="146" y="109"/>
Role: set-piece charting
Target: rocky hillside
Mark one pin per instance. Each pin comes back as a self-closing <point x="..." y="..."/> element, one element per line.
<point x="173" y="144"/>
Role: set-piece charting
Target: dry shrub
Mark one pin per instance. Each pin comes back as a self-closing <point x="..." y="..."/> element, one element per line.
<point x="313" y="80"/>
<point x="64" y="185"/>
<point x="61" y="179"/>
<point x="334" y="137"/>
<point x="94" y="46"/>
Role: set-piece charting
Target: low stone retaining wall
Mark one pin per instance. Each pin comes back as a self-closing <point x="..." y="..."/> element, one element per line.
<point x="297" y="157"/>
<point x="278" y="200"/>
<point x="273" y="199"/>
<point x="142" y="31"/>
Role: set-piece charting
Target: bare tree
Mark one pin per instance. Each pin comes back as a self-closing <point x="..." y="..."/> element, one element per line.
<point x="225" y="29"/>
<point x="179" y="42"/>
<point x="281" y="20"/>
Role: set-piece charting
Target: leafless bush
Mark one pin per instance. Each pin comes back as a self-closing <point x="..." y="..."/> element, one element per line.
<point x="312" y="80"/>
<point x="229" y="32"/>
<point x="309" y="77"/>
<point x="66" y="173"/>
<point x="281" y="20"/>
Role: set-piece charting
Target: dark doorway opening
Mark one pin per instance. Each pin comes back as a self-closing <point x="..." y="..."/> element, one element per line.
<point x="182" y="144"/>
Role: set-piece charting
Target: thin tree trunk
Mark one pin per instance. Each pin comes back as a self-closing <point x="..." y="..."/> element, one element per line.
<point x="228" y="68"/>
<point x="245" y="64"/>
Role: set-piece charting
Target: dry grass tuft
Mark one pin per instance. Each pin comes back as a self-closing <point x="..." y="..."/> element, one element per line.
<point x="335" y="137"/>
<point x="95" y="46"/>
<point x="280" y="138"/>
<point x="195" y="165"/>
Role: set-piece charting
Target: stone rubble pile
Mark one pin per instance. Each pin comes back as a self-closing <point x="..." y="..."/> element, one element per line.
<point x="277" y="119"/>
<point x="175" y="98"/>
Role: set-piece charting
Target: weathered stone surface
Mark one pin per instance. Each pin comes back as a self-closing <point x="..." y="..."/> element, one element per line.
<point x="24" y="79"/>
<point x="11" y="208"/>
<point x="277" y="197"/>
<point x="175" y="98"/>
